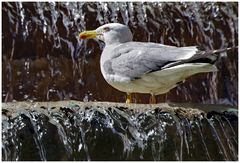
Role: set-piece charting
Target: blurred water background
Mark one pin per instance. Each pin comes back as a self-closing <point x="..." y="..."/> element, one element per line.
<point x="44" y="60"/>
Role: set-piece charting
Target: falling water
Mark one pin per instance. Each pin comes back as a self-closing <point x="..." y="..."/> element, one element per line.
<point x="114" y="133"/>
<point x="43" y="58"/>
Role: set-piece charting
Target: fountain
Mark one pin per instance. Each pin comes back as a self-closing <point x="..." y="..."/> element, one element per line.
<point x="46" y="68"/>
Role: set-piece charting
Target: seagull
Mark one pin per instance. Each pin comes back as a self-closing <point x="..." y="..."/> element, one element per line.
<point x="146" y="67"/>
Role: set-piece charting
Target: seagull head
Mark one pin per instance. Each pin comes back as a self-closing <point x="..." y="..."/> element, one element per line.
<point x="112" y="33"/>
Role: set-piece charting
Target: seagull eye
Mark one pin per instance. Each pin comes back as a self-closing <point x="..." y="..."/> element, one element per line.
<point x="106" y="29"/>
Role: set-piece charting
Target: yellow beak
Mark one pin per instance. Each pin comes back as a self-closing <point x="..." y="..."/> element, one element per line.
<point x="88" y="34"/>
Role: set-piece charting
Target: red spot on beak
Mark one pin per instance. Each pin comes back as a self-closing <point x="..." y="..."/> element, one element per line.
<point x="83" y="36"/>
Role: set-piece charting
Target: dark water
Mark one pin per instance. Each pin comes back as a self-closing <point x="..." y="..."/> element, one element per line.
<point x="114" y="133"/>
<point x="43" y="59"/>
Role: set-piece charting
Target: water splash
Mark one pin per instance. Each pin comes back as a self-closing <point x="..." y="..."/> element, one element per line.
<point x="99" y="133"/>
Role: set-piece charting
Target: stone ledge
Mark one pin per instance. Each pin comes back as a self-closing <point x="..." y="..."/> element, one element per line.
<point x="12" y="109"/>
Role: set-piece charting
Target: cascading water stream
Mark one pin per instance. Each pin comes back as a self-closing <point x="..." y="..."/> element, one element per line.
<point x="43" y="59"/>
<point x="43" y="39"/>
<point x="114" y="133"/>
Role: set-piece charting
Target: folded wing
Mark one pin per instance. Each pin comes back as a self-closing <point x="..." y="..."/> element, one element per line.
<point x="133" y="59"/>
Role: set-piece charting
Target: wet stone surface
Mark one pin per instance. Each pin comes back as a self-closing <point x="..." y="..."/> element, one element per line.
<point x="110" y="131"/>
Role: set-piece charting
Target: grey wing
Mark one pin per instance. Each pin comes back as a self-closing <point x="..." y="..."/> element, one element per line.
<point x="163" y="51"/>
<point x="133" y="66"/>
<point x="134" y="59"/>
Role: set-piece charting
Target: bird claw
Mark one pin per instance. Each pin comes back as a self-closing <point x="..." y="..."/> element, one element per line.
<point x="129" y="99"/>
<point x="152" y="100"/>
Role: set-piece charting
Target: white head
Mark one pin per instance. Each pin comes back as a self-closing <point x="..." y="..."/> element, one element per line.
<point x="111" y="33"/>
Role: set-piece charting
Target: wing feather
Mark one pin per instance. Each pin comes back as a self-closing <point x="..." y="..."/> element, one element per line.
<point x="133" y="59"/>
